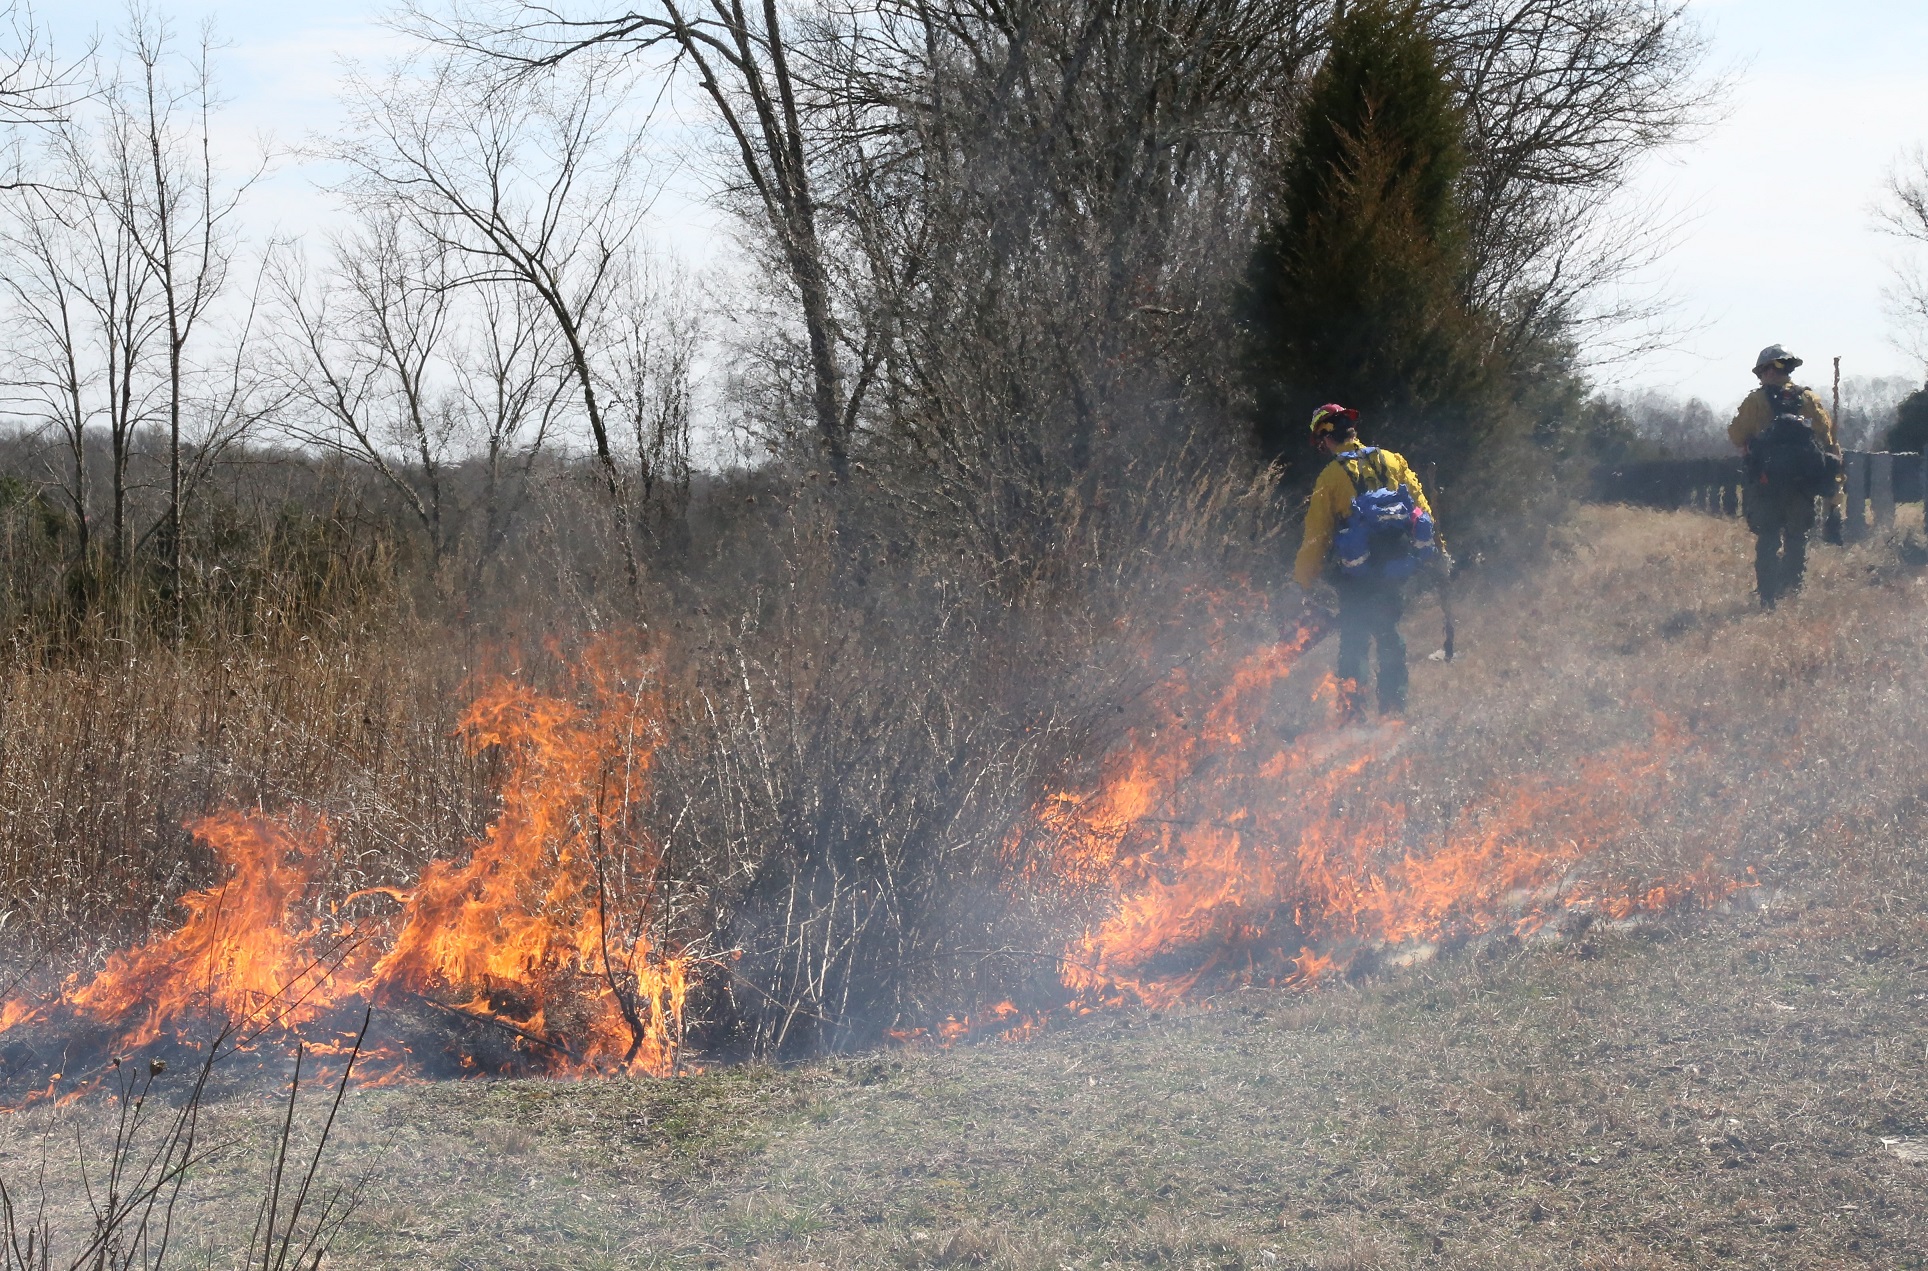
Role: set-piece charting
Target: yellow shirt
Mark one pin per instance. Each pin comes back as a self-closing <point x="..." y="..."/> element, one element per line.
<point x="1332" y="496"/>
<point x="1756" y="414"/>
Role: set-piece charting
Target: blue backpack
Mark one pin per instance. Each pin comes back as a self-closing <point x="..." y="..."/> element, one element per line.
<point x="1386" y="533"/>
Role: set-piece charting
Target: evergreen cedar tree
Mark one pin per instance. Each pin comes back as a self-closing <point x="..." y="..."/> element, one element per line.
<point x="1910" y="431"/>
<point x="1356" y="289"/>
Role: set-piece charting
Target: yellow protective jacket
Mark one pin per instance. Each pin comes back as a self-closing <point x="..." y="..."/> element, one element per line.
<point x="1332" y="497"/>
<point x="1756" y="413"/>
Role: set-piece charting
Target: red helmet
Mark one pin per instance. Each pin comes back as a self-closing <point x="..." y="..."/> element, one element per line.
<point x="1327" y="418"/>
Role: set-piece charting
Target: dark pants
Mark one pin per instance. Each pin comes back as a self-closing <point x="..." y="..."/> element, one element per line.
<point x="1781" y="523"/>
<point x="1369" y="612"/>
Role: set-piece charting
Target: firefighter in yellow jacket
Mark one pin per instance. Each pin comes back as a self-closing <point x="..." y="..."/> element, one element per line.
<point x="1369" y="607"/>
<point x="1781" y="519"/>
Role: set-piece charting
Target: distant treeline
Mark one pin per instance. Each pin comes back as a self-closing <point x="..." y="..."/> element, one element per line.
<point x="1877" y="413"/>
<point x="995" y="261"/>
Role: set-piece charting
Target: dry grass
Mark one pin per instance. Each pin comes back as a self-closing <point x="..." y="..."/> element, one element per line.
<point x="103" y="758"/>
<point x="847" y="731"/>
<point x="1796" y="759"/>
<point x="1708" y="1090"/>
<point x="1670" y="1098"/>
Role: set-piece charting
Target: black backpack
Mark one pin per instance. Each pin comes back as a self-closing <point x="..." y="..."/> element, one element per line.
<point x="1786" y="456"/>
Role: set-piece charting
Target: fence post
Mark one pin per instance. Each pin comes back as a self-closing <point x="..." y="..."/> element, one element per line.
<point x="1881" y="488"/>
<point x="1854" y="529"/>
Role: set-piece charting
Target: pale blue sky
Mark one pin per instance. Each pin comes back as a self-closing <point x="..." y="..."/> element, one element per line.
<point x="1780" y="247"/>
<point x="1776" y="246"/>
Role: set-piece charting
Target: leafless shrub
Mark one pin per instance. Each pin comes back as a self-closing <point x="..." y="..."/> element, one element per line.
<point x="158" y="1141"/>
<point x="855" y="735"/>
<point x="1903" y="213"/>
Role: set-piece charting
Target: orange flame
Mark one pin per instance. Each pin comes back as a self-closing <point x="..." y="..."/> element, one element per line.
<point x="1006" y="1021"/>
<point x="1219" y="852"/>
<point x="548" y="927"/>
<point x="235" y="953"/>
<point x="1224" y="859"/>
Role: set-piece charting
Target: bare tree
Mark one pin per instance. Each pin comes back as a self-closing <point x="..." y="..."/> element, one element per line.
<point x="1563" y="100"/>
<point x="915" y="169"/>
<point x="1044" y="216"/>
<point x="511" y="381"/>
<point x="123" y="233"/>
<point x="50" y="371"/>
<point x="159" y="180"/>
<point x="1869" y="409"/>
<point x="37" y="90"/>
<point x="651" y="339"/>
<point x="533" y="184"/>
<point x="1903" y="213"/>
<point x="744" y="64"/>
<point x="365" y="349"/>
<point x="81" y="315"/>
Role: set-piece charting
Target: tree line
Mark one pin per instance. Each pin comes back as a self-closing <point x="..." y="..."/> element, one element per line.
<point x="989" y="253"/>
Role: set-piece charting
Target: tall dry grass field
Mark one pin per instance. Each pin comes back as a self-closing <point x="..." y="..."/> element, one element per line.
<point x="804" y="766"/>
<point x="847" y="715"/>
<point x="1776" y="743"/>
<point x="1795" y="735"/>
<point x="1679" y="1086"/>
<point x="106" y="754"/>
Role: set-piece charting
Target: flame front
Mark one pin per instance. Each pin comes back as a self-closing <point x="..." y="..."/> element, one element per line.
<point x="546" y="929"/>
<point x="243" y="950"/>
<point x="1211" y="850"/>
<point x="1227" y="860"/>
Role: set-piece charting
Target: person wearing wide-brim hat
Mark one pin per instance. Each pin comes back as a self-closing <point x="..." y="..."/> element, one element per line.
<point x="1781" y="519"/>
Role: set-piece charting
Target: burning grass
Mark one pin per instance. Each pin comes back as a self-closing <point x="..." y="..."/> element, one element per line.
<point x="1647" y="1090"/>
<point x="1235" y="833"/>
<point x="1237" y="857"/>
<point x="547" y="928"/>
